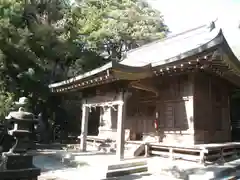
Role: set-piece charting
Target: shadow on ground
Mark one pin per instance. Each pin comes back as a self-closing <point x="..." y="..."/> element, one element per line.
<point x="49" y="163"/>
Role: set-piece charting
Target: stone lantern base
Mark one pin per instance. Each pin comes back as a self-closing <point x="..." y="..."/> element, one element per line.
<point x="18" y="167"/>
<point x="20" y="174"/>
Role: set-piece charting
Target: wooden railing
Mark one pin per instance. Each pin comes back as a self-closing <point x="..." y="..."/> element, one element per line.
<point x="223" y="153"/>
<point x="172" y="152"/>
<point x="197" y="154"/>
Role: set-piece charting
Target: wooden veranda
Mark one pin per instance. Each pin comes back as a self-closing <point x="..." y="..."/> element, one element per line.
<point x="202" y="153"/>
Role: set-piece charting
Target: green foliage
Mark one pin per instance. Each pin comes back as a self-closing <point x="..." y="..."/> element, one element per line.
<point x="6" y="102"/>
<point x="115" y="26"/>
<point x="42" y="41"/>
<point x="35" y="48"/>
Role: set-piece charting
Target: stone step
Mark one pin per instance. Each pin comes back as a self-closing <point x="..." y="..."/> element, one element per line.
<point x="127" y="165"/>
<point x="126" y="171"/>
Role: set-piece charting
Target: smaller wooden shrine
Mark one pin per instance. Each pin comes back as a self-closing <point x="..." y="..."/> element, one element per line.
<point x="180" y="85"/>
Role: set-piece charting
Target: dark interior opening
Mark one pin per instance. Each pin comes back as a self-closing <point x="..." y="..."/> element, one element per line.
<point x="235" y="115"/>
<point x="93" y="121"/>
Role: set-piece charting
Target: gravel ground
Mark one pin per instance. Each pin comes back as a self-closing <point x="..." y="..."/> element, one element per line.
<point x="79" y="174"/>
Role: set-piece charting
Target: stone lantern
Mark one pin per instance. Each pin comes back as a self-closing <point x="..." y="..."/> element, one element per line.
<point x="17" y="163"/>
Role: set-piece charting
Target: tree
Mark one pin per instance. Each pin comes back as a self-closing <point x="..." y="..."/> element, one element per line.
<point x="37" y="46"/>
<point x="112" y="27"/>
<point x="29" y="44"/>
<point x="22" y="67"/>
<point x="42" y="41"/>
<point x="6" y="103"/>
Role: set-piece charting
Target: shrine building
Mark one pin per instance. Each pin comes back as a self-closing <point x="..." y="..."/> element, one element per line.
<point x="174" y="91"/>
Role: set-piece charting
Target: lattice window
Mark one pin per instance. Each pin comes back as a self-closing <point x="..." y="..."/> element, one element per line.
<point x="161" y="114"/>
<point x="172" y="115"/>
<point x="169" y="115"/>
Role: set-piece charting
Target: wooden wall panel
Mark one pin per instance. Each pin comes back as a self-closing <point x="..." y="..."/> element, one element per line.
<point x="202" y="102"/>
<point x="172" y="107"/>
<point x="211" y="106"/>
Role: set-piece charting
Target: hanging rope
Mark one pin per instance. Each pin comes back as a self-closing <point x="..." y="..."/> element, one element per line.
<point x="113" y="108"/>
<point x="103" y="104"/>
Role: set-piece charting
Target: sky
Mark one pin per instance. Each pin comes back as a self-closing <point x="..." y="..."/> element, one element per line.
<point x="181" y="15"/>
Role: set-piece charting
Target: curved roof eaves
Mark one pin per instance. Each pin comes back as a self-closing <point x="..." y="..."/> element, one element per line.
<point x="82" y="76"/>
<point x="219" y="39"/>
<point x="162" y="52"/>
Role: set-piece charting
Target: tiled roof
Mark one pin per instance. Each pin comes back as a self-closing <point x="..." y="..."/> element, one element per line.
<point x="158" y="52"/>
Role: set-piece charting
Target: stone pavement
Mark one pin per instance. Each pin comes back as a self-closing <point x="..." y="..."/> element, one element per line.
<point x="193" y="171"/>
<point x="93" y="167"/>
<point x="96" y="174"/>
<point x="76" y="175"/>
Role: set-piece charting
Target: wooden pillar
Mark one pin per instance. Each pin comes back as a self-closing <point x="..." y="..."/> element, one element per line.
<point x="146" y="147"/>
<point x="202" y="157"/>
<point x="120" y="128"/>
<point x="84" y="128"/>
<point x="171" y="155"/>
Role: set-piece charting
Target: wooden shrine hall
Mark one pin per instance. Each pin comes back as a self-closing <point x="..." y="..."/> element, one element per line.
<point x="172" y="93"/>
